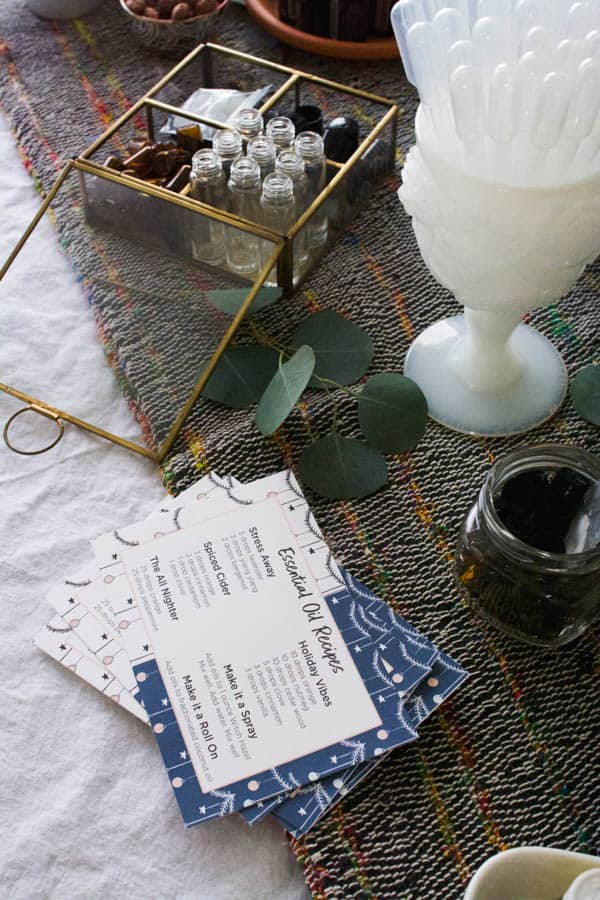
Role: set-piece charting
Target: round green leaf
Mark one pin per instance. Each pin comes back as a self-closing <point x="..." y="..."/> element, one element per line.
<point x="585" y="393"/>
<point x="230" y="300"/>
<point x="343" y="351"/>
<point x="392" y="411"/>
<point x="342" y="468"/>
<point x="284" y="390"/>
<point x="241" y="375"/>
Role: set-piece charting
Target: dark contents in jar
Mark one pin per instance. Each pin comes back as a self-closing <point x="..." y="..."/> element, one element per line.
<point x="548" y="509"/>
<point x="556" y="510"/>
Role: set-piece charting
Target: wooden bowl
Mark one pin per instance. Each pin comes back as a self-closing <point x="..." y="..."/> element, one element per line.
<point x="265" y="12"/>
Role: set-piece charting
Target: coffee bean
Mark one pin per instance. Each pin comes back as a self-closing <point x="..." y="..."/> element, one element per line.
<point x="181" y="11"/>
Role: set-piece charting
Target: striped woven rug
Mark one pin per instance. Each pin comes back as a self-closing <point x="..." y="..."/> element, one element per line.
<point x="513" y="758"/>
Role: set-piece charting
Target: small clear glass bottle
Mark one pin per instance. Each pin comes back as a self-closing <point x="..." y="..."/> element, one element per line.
<point x="249" y="123"/>
<point x="263" y="150"/>
<point x="244" y="192"/>
<point x="282" y="132"/>
<point x="207" y="184"/>
<point x="289" y="163"/>
<point x="540" y="597"/>
<point x="278" y="211"/>
<point x="309" y="147"/>
<point x="228" y="145"/>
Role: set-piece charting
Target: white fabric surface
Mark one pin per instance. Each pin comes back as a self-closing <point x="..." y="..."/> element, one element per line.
<point x="85" y="805"/>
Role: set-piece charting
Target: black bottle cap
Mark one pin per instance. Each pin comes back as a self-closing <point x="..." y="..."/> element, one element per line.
<point x="341" y="137"/>
<point x="307" y="118"/>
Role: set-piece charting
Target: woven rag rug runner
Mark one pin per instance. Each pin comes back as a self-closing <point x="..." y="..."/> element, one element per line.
<point x="513" y="758"/>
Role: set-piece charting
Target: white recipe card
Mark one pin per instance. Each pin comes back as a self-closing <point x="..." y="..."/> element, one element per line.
<point x="257" y="672"/>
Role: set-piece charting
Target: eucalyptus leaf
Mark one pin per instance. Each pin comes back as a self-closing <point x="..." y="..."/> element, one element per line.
<point x="229" y="300"/>
<point x="284" y="390"/>
<point x="341" y="468"/>
<point x="392" y="412"/>
<point x="343" y="351"/>
<point x="241" y="376"/>
<point x="585" y="393"/>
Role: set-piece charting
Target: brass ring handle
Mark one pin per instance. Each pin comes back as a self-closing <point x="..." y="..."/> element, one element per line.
<point x="41" y="412"/>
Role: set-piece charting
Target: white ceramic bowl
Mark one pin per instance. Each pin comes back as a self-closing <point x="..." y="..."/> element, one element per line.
<point x="167" y="34"/>
<point x="529" y="873"/>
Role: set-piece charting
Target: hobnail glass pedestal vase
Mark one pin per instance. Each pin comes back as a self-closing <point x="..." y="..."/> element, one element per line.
<point x="502" y="250"/>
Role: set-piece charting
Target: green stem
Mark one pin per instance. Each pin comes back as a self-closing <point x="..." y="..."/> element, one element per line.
<point x="334" y="402"/>
<point x="337" y="386"/>
<point x="269" y="341"/>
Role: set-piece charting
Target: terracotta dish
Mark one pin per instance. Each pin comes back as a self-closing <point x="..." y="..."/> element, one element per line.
<point x="265" y="12"/>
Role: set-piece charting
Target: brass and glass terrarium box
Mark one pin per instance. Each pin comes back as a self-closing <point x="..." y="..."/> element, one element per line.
<point x="158" y="305"/>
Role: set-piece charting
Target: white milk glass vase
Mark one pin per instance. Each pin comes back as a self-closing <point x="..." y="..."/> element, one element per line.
<point x="502" y="249"/>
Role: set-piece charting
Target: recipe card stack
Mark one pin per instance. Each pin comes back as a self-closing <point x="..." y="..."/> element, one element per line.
<point x="272" y="679"/>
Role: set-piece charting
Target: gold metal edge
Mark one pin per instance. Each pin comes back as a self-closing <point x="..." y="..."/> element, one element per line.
<point x="257" y="60"/>
<point x="88" y="151"/>
<point x="178" y="111"/>
<point x="316" y="79"/>
<point x="175" y="71"/>
<point x="41" y="211"/>
<point x="55" y="413"/>
<point x="85" y="154"/>
<point x="279" y="93"/>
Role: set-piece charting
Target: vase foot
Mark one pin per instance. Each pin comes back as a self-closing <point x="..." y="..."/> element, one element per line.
<point x="433" y="362"/>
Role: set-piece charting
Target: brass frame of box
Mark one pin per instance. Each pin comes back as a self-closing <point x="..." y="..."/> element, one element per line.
<point x="282" y="256"/>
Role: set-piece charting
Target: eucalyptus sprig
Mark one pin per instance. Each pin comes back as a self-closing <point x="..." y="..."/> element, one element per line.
<point x="326" y="352"/>
<point x="585" y="393"/>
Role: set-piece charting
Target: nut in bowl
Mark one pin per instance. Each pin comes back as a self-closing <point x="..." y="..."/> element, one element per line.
<point x="171" y="24"/>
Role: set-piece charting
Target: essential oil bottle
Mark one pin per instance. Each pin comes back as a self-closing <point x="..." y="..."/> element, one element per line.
<point x="278" y="209"/>
<point x="263" y="150"/>
<point x="309" y="147"/>
<point x="207" y="184"/>
<point x="244" y="193"/>
<point x="228" y="145"/>
<point x="289" y="163"/>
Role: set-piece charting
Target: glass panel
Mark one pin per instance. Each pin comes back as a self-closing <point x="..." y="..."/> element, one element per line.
<point x="222" y="74"/>
<point x="357" y="187"/>
<point x="124" y="141"/>
<point x="139" y="282"/>
<point x="315" y="106"/>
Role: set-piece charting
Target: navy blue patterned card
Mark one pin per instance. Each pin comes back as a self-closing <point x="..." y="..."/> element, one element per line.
<point x="375" y="624"/>
<point x="299" y="813"/>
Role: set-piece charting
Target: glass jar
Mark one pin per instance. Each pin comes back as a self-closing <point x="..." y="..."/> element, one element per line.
<point x="309" y="147"/>
<point x="244" y="192"/>
<point x="278" y="212"/>
<point x="207" y="184"/>
<point x="282" y="132"/>
<point x="289" y="163"/>
<point x="249" y="123"/>
<point x="263" y="150"/>
<point x="540" y="597"/>
<point x="228" y="145"/>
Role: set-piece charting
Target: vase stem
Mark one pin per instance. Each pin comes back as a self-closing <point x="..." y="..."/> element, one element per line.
<point x="484" y="357"/>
